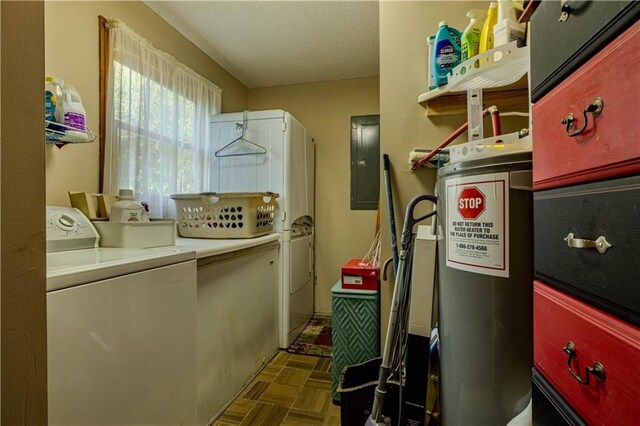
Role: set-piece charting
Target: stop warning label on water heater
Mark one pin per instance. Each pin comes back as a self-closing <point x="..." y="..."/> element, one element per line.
<point x="478" y="224"/>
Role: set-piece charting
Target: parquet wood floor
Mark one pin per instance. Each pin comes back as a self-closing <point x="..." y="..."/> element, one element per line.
<point x="290" y="390"/>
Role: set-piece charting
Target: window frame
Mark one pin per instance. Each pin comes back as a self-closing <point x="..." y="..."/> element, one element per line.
<point x="103" y="78"/>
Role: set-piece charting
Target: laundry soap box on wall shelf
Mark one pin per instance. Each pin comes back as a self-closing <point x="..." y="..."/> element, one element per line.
<point x="225" y="215"/>
<point x="156" y="233"/>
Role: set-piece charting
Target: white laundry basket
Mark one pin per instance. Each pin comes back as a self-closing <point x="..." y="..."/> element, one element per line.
<point x="225" y="215"/>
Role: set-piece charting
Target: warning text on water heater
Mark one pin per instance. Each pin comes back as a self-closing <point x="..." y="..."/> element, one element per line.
<point x="480" y="230"/>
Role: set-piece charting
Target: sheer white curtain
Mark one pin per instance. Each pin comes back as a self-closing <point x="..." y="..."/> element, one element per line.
<point x="157" y="139"/>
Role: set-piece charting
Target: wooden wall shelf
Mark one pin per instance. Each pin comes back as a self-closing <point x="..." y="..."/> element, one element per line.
<point x="514" y="97"/>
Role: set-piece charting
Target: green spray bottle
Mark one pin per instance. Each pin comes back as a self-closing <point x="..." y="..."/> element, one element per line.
<point x="470" y="44"/>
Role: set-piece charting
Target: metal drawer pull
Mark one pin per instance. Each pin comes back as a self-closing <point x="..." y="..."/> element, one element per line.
<point x="597" y="370"/>
<point x="595" y="108"/>
<point x="565" y="9"/>
<point x="601" y="244"/>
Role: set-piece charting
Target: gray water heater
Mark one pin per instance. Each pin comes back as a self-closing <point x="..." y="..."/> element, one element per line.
<point x="485" y="252"/>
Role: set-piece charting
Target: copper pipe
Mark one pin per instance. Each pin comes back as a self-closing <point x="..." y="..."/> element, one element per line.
<point x="495" y="121"/>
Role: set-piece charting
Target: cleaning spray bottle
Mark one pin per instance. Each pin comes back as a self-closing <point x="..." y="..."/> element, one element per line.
<point x="447" y="52"/>
<point x="470" y="44"/>
<point x="486" y="36"/>
<point x="507" y="28"/>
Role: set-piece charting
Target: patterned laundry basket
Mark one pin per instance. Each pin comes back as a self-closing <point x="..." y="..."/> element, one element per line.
<point x="225" y="215"/>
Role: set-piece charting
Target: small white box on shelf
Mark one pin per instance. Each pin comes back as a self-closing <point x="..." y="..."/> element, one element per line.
<point x="157" y="233"/>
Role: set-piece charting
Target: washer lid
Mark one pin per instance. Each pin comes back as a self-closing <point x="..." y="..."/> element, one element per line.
<point x="77" y="267"/>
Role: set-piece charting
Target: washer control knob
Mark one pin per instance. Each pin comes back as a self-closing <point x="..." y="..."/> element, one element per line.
<point x="65" y="222"/>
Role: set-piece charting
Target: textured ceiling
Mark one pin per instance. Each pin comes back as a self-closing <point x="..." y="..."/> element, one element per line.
<point x="273" y="43"/>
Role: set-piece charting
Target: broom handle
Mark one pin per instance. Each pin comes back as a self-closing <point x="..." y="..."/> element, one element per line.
<point x="390" y="212"/>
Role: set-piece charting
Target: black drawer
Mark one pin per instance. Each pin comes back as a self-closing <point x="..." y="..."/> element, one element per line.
<point x="548" y="407"/>
<point x="560" y="47"/>
<point x="609" y="210"/>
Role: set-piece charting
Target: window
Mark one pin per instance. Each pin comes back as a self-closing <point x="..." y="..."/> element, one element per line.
<point x="157" y="122"/>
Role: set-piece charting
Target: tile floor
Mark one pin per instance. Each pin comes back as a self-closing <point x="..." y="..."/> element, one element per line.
<point x="290" y="390"/>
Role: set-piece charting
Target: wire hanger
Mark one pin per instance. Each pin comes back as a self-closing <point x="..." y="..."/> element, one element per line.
<point x="241" y="145"/>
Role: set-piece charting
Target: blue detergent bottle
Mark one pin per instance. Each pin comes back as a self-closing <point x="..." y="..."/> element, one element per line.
<point x="447" y="52"/>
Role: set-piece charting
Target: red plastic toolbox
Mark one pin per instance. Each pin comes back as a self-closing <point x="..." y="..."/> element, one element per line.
<point x="359" y="274"/>
<point x="608" y="146"/>
<point x="571" y="338"/>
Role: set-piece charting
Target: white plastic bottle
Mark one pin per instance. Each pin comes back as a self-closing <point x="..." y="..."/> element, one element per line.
<point x="507" y="27"/>
<point x="72" y="114"/>
<point x="431" y="81"/>
<point x="126" y="209"/>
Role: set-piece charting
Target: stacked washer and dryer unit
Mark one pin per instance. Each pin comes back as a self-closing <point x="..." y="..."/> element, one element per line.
<point x="287" y="168"/>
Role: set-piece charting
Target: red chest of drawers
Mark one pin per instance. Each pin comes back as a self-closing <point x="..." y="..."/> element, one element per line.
<point x="609" y="145"/>
<point x="571" y="337"/>
<point x="586" y="173"/>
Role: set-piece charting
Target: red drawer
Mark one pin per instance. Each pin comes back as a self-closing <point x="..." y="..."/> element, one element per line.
<point x="597" y="338"/>
<point x="610" y="144"/>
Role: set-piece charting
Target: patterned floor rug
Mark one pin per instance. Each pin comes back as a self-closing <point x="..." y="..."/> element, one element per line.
<point x="315" y="339"/>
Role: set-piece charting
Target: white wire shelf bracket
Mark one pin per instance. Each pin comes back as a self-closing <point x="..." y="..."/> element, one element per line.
<point x="55" y="133"/>
<point x="500" y="66"/>
<point x="491" y="147"/>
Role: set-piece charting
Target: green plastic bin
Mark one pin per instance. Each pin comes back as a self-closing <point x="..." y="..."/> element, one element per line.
<point x="356" y="330"/>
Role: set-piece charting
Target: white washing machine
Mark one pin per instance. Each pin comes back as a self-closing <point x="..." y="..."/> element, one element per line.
<point x="121" y="330"/>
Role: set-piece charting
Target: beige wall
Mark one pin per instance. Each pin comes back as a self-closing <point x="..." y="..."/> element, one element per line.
<point x="404" y="28"/>
<point x="325" y="109"/>
<point x="22" y="235"/>
<point x="71" y="54"/>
